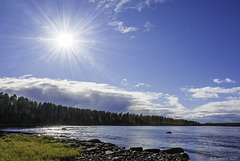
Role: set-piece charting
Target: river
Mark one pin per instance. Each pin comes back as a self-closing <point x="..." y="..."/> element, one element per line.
<point x="200" y="142"/>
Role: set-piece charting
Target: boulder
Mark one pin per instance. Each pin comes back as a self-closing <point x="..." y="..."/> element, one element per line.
<point x="89" y="144"/>
<point x="173" y="150"/>
<point x="136" y="149"/>
<point x="94" y="141"/>
<point x="152" y="150"/>
<point x="108" y="152"/>
<point x="169" y="132"/>
<point x="91" y="149"/>
<point x="184" y="156"/>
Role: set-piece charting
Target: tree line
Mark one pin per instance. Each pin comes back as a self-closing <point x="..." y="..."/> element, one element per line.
<point x="21" y="111"/>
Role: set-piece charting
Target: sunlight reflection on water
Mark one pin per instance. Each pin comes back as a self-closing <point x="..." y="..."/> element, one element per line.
<point x="201" y="143"/>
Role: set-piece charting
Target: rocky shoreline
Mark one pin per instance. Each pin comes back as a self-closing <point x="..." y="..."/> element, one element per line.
<point x="96" y="150"/>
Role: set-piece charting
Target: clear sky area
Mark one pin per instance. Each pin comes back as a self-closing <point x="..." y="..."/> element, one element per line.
<point x="174" y="58"/>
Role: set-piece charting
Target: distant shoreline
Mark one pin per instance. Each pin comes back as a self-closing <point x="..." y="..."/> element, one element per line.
<point x="35" y="126"/>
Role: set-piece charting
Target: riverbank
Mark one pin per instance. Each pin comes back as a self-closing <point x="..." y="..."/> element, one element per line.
<point x="97" y="150"/>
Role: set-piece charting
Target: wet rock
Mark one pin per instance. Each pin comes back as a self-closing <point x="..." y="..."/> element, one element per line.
<point x="136" y="149"/>
<point x="89" y="144"/>
<point x="94" y="141"/>
<point x="173" y="150"/>
<point x="152" y="150"/>
<point x="184" y="156"/>
<point x="64" y="128"/>
<point x="169" y="132"/>
<point x="109" y="144"/>
<point x="108" y="152"/>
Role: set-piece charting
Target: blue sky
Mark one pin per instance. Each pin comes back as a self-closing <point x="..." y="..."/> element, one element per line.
<point x="176" y="58"/>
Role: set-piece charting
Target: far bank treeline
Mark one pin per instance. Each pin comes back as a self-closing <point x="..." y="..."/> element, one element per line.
<point x="24" y="112"/>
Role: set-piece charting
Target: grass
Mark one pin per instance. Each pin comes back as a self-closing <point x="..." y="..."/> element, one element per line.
<point x="27" y="148"/>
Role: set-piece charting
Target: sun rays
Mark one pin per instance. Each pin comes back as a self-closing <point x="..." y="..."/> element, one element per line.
<point x="68" y="38"/>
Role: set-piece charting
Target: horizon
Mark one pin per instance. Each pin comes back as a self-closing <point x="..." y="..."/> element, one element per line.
<point x="176" y="59"/>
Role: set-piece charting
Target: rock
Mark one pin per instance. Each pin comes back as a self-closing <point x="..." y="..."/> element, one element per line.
<point x="184" y="156"/>
<point x="91" y="149"/>
<point x="89" y="144"/>
<point x="64" y="128"/>
<point x="136" y="149"/>
<point x="108" y="152"/>
<point x="152" y="150"/>
<point x="83" y="147"/>
<point x="94" y="141"/>
<point x="173" y="150"/>
<point x="73" y="145"/>
<point x="116" y="158"/>
<point x="169" y="132"/>
<point x="109" y="144"/>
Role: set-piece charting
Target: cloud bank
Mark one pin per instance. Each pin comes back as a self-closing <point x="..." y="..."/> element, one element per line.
<point x="220" y="104"/>
<point x="225" y="107"/>
<point x="212" y="92"/>
<point x="89" y="95"/>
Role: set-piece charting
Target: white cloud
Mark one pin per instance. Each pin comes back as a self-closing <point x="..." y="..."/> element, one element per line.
<point x="205" y="95"/>
<point x="217" y="81"/>
<point x="110" y="98"/>
<point x="227" y="80"/>
<point x="173" y="101"/>
<point x="211" y="92"/>
<point x="221" y="111"/>
<point x="26" y="76"/>
<point x="121" y="28"/>
<point x="233" y="98"/>
<point x="220" y="107"/>
<point x="113" y="8"/>
<point x="226" y="109"/>
<point x="148" y="26"/>
<point x="119" y="6"/>
<point x="124" y="82"/>
<point x="90" y="95"/>
<point x="142" y="85"/>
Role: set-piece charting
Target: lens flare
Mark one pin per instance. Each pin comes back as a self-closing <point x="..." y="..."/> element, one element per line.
<point x="65" y="41"/>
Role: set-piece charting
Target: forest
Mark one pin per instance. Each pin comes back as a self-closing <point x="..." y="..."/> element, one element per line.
<point x="20" y="111"/>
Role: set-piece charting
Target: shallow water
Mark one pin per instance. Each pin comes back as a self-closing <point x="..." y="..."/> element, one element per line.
<point x="200" y="142"/>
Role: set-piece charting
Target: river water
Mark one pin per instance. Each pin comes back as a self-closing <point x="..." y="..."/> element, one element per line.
<point x="200" y="142"/>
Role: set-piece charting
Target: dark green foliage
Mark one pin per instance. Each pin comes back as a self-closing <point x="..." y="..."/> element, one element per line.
<point x="23" y="112"/>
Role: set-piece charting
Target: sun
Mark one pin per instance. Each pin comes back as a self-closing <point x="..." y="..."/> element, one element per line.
<point x="65" y="41"/>
<point x="68" y="38"/>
